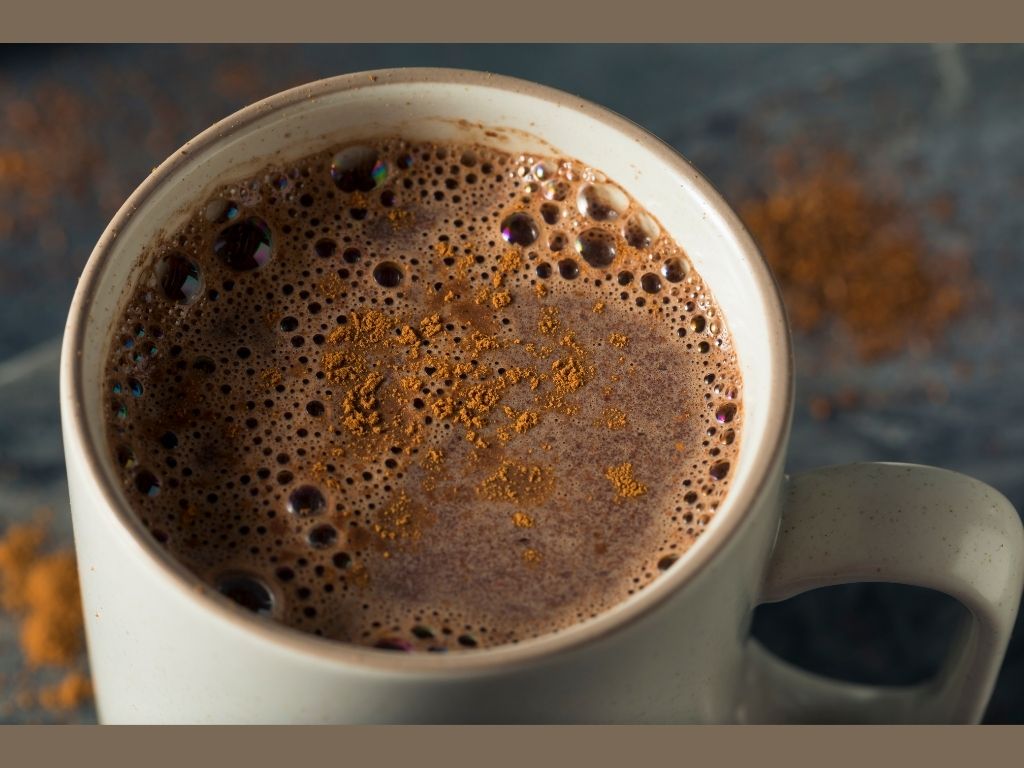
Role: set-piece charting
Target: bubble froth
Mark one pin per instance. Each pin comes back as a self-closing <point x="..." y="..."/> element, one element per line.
<point x="359" y="395"/>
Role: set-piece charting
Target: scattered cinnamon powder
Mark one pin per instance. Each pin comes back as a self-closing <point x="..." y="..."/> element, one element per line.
<point x="51" y="630"/>
<point x="434" y="470"/>
<point x="844" y="252"/>
<point x="331" y="286"/>
<point x="522" y="421"/>
<point x="515" y="482"/>
<point x="41" y="591"/>
<point x="72" y="691"/>
<point x="369" y="329"/>
<point x="618" y="340"/>
<point x="822" y="407"/>
<point x="270" y="377"/>
<point x="471" y="403"/>
<point x="475" y="439"/>
<point x="17" y="554"/>
<point x="340" y="366"/>
<point x="432" y="460"/>
<point x="431" y="325"/>
<point x="540" y="290"/>
<point x="402" y="519"/>
<point x="501" y="299"/>
<point x="358" y="575"/>
<point x="568" y="375"/>
<point x="480" y="399"/>
<point x="482" y="343"/>
<point x="47" y="155"/>
<point x="407" y="336"/>
<point x="360" y="407"/>
<point x="531" y="556"/>
<point x="548" y="322"/>
<point x="522" y="520"/>
<point x="399" y="217"/>
<point x="508" y="263"/>
<point x="613" y="418"/>
<point x="464" y="264"/>
<point x="598" y="307"/>
<point x="626" y="486"/>
<point x="569" y="341"/>
<point x="443" y="408"/>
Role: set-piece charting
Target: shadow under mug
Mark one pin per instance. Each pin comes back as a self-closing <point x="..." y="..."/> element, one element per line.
<point x="164" y="647"/>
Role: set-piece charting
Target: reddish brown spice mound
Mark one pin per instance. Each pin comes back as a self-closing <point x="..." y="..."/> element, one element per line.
<point x="40" y="589"/>
<point x="845" y="253"/>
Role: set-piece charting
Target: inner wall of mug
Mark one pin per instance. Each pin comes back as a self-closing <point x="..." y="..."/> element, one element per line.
<point x="656" y="177"/>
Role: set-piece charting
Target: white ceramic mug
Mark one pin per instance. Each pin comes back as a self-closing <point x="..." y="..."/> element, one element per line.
<point x="165" y="648"/>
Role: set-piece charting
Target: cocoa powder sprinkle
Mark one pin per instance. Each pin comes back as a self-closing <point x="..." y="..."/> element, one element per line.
<point x="517" y="482"/>
<point x="613" y="418"/>
<point x="431" y="325"/>
<point x="549" y="321"/>
<point x="509" y="262"/>
<point x="626" y="486"/>
<point x="522" y="520"/>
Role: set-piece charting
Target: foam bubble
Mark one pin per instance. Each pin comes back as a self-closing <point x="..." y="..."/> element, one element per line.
<point x="519" y="229"/>
<point x="640" y="230"/>
<point x="674" y="270"/>
<point x="358" y="168"/>
<point x="601" y="202"/>
<point x="323" y="536"/>
<point x="556" y="189"/>
<point x="179" y="278"/>
<point x="245" y="245"/>
<point x="388" y="274"/>
<point x="596" y="247"/>
<point x="247" y="591"/>
<point x="569" y="268"/>
<point x="306" y="500"/>
<point x="220" y="211"/>
<point x="725" y="413"/>
<point x="147" y="483"/>
<point x="650" y="282"/>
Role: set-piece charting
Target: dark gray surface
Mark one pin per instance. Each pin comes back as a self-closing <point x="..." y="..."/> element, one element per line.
<point x="930" y="120"/>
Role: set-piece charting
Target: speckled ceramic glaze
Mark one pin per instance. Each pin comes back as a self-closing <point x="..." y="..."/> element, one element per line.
<point x="163" y="648"/>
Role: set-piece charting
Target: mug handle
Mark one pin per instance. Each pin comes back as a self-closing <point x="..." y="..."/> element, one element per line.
<point x="900" y="523"/>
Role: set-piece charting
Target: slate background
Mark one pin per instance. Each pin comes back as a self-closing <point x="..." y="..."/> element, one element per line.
<point x="924" y="121"/>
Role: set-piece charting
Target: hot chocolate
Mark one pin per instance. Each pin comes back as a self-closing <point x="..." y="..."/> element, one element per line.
<point x="423" y="396"/>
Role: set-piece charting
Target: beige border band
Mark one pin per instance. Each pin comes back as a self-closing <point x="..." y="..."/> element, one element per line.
<point x="526" y="20"/>
<point x="516" y="746"/>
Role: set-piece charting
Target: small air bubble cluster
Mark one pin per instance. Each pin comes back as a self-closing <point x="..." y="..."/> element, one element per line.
<point x="423" y="397"/>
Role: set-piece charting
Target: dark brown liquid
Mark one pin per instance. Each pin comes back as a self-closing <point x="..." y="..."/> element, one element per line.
<point x="423" y="396"/>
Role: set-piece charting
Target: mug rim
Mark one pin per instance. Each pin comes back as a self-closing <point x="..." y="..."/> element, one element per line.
<point x="742" y="500"/>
